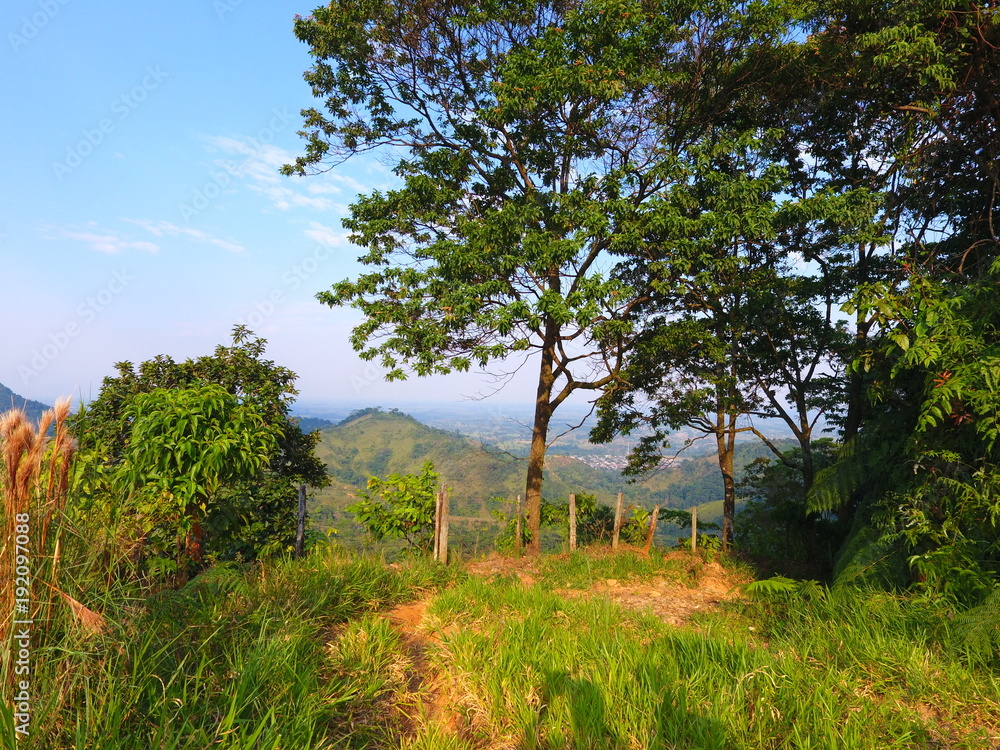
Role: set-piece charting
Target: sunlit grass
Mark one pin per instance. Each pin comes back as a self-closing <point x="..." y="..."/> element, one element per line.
<point x="851" y="671"/>
<point x="300" y="654"/>
<point x="579" y="570"/>
<point x="239" y="658"/>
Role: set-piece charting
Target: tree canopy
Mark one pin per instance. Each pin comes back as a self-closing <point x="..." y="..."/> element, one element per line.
<point x="702" y="214"/>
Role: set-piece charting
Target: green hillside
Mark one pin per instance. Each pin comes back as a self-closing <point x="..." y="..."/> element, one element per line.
<point x="372" y="442"/>
<point x="378" y="443"/>
<point x="9" y="399"/>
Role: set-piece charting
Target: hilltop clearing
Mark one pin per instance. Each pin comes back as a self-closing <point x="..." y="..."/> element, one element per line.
<point x="589" y="650"/>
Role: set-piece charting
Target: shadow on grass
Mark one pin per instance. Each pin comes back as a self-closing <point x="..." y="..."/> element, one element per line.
<point x="671" y="725"/>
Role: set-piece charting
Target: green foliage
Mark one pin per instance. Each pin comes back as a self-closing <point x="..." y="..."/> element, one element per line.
<point x="185" y="444"/>
<point x="786" y="589"/>
<point x="774" y="525"/>
<point x="400" y="506"/>
<point x="977" y="630"/>
<point x="594" y="521"/>
<point x="251" y="514"/>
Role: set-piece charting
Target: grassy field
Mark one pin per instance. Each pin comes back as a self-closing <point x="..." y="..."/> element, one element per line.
<point x="343" y="651"/>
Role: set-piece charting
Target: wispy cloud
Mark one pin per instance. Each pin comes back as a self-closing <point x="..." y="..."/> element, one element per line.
<point x="284" y="198"/>
<point x="100" y="240"/>
<point x="260" y="164"/>
<point x="168" y="229"/>
<point x="325" y="235"/>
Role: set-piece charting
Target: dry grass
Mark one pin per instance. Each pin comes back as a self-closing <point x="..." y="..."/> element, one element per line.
<point x="34" y="483"/>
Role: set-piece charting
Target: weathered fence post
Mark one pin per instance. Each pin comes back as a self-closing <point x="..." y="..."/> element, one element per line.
<point x="572" y="523"/>
<point x="437" y="527"/>
<point x="652" y="528"/>
<point x="445" y="523"/>
<point x="300" y="533"/>
<point x="517" y="530"/>
<point x="694" y="529"/>
<point x="618" y="520"/>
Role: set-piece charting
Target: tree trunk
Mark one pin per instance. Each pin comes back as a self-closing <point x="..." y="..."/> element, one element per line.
<point x="808" y="466"/>
<point x="539" y="439"/>
<point x="725" y="440"/>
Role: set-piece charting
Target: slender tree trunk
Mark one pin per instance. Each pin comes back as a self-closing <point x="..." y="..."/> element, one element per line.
<point x="539" y="439"/>
<point x="195" y="543"/>
<point x="808" y="465"/>
<point x="855" y="380"/>
<point x="725" y="440"/>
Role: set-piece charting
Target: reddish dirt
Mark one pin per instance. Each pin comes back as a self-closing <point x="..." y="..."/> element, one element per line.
<point x="430" y="695"/>
<point x="670" y="600"/>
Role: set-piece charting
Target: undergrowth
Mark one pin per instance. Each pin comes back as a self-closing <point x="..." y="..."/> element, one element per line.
<point x="298" y="654"/>
<point x="239" y="658"/>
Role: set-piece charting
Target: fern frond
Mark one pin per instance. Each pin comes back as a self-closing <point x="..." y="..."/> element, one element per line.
<point x="779" y="587"/>
<point x="834" y="485"/>
<point x="978" y="630"/>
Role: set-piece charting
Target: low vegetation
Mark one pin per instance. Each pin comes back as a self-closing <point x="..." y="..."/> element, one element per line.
<point x="307" y="654"/>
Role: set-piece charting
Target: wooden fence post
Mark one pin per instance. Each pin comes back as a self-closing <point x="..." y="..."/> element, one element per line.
<point x="437" y="527"/>
<point x="572" y="523"/>
<point x="618" y="520"/>
<point x="517" y="530"/>
<point x="445" y="523"/>
<point x="694" y="529"/>
<point x="652" y="528"/>
<point x="300" y="533"/>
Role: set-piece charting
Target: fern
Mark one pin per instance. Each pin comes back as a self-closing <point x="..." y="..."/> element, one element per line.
<point x="780" y="587"/>
<point x="834" y="485"/>
<point x="978" y="630"/>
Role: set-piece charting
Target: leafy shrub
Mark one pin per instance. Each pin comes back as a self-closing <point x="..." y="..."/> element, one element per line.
<point x="400" y="506"/>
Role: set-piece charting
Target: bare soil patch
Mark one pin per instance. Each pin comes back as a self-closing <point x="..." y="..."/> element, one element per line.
<point x="673" y="601"/>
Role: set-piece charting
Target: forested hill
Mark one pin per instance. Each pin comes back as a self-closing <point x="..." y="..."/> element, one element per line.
<point x="9" y="399"/>
<point x="375" y="443"/>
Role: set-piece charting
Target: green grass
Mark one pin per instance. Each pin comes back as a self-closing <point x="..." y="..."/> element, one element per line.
<point x="239" y="658"/>
<point x="856" y="670"/>
<point x="298" y="654"/>
<point x="579" y="570"/>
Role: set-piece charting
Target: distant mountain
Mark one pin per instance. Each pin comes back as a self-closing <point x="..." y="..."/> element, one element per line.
<point x="308" y="424"/>
<point x="372" y="442"/>
<point x="10" y="400"/>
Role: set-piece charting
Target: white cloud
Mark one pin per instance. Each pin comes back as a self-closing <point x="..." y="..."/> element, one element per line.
<point x="167" y="229"/>
<point x="325" y="235"/>
<point x="284" y="198"/>
<point x="260" y="165"/>
<point x="101" y="241"/>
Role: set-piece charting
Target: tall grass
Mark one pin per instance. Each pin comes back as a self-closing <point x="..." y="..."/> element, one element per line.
<point x="34" y="481"/>
<point x="532" y="670"/>
<point x="242" y="657"/>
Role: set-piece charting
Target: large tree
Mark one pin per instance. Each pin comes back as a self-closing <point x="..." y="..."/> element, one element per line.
<point x="526" y="138"/>
<point x="737" y="321"/>
<point x="925" y="85"/>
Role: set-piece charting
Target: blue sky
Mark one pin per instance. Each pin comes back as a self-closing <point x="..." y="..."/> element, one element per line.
<point x="141" y="209"/>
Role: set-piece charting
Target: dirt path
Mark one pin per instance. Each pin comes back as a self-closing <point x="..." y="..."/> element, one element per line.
<point x="432" y="697"/>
